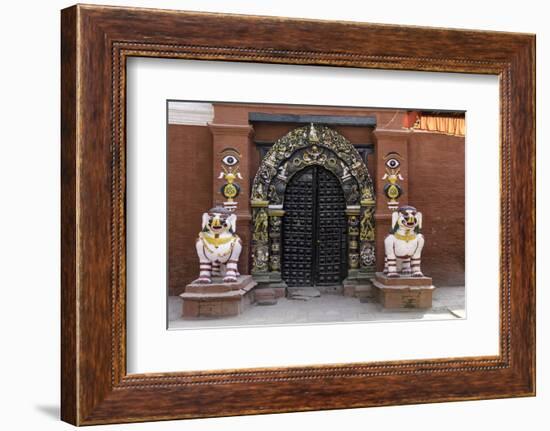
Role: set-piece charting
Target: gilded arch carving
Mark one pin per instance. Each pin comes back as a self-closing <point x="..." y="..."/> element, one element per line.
<point x="309" y="145"/>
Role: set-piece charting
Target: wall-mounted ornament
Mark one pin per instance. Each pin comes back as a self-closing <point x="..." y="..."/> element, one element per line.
<point x="392" y="176"/>
<point x="230" y="172"/>
<point x="230" y="190"/>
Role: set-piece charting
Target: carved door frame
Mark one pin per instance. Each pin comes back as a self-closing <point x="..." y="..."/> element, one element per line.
<point x="301" y="147"/>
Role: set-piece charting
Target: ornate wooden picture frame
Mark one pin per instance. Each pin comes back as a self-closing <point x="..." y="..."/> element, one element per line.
<point x="96" y="42"/>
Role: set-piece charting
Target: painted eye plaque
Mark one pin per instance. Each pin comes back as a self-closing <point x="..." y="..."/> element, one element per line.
<point x="230" y="160"/>
<point x="230" y="156"/>
<point x="393" y="163"/>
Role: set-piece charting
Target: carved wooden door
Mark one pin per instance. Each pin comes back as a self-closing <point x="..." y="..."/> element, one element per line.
<point x="314" y="230"/>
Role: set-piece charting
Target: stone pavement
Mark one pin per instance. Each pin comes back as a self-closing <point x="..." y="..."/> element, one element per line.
<point x="448" y="303"/>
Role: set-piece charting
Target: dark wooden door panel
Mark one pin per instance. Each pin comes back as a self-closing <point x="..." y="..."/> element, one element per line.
<point x="298" y="251"/>
<point x="314" y="230"/>
<point x="331" y="230"/>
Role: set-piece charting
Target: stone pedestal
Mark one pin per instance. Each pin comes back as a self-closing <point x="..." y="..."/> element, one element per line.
<point x="271" y="280"/>
<point x="362" y="289"/>
<point x="403" y="292"/>
<point x="265" y="296"/>
<point x="218" y="299"/>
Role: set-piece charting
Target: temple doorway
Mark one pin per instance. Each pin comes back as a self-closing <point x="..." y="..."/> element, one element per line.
<point x="313" y="207"/>
<point x="314" y="236"/>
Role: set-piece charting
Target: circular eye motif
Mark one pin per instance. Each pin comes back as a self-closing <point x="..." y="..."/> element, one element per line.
<point x="230" y="160"/>
<point x="392" y="163"/>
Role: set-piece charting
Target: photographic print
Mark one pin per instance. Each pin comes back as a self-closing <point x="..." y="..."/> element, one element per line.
<point x="297" y="215"/>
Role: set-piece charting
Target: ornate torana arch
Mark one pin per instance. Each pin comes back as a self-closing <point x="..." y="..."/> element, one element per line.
<point x="312" y="145"/>
<point x="302" y="147"/>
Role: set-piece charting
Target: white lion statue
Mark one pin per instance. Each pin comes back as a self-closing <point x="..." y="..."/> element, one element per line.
<point x="218" y="246"/>
<point x="403" y="247"/>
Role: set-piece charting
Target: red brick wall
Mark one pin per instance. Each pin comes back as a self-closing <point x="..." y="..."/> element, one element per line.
<point x="437" y="189"/>
<point x="189" y="195"/>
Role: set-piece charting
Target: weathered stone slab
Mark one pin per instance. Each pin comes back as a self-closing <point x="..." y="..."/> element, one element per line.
<point x="303" y="293"/>
<point x="362" y="290"/>
<point x="265" y="296"/>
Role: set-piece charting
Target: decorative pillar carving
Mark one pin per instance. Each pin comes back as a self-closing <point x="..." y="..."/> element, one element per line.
<point x="260" y="237"/>
<point x="353" y="212"/>
<point x="275" y="222"/>
<point x="367" y="239"/>
<point x="367" y="232"/>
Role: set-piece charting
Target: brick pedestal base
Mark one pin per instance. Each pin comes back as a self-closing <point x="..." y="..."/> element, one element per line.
<point x="403" y="292"/>
<point x="218" y="299"/>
